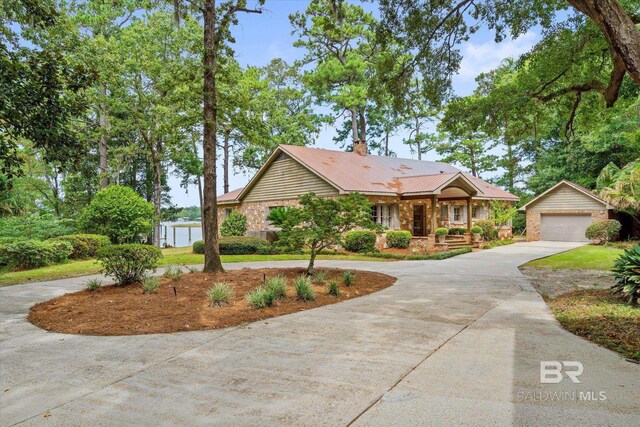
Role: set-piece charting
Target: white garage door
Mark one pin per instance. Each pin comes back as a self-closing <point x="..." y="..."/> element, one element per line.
<point x="564" y="228"/>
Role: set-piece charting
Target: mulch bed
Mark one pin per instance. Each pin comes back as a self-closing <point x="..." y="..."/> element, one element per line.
<point x="113" y="310"/>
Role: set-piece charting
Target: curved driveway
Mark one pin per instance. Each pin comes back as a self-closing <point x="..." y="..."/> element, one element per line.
<point x="457" y="341"/>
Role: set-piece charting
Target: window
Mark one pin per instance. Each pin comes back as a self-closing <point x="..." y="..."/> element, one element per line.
<point x="381" y="214"/>
<point x="444" y="211"/>
<point x="227" y="212"/>
<point x="476" y="212"/>
<point x="457" y="213"/>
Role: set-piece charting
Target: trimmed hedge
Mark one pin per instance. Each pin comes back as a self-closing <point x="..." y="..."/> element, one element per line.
<point x="418" y="257"/>
<point x="457" y="231"/>
<point x="603" y="230"/>
<point x="496" y="243"/>
<point x="234" y="225"/>
<point x="238" y="245"/>
<point x="34" y="253"/>
<point x="398" y="239"/>
<point x="128" y="263"/>
<point x="84" y="245"/>
<point x="489" y="231"/>
<point x="360" y="241"/>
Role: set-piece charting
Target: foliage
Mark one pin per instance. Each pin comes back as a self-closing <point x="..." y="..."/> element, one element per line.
<point x="150" y="284"/>
<point x="172" y="272"/>
<point x="603" y="230"/>
<point x="277" y="286"/>
<point x="476" y="229"/>
<point x="348" y="277"/>
<point x="277" y="216"/>
<point x="488" y="226"/>
<point x="93" y="285"/>
<point x="420" y="257"/>
<point x="621" y="187"/>
<point x="496" y="243"/>
<point x="502" y="212"/>
<point x="304" y="290"/>
<point x="261" y="297"/>
<point x="360" y="241"/>
<point x="333" y="288"/>
<point x="321" y="222"/>
<point x="441" y="231"/>
<point x="40" y="226"/>
<point x="626" y="271"/>
<point x="234" y="225"/>
<point x="128" y="263"/>
<point x="457" y="231"/>
<point x="398" y="239"/>
<point x="119" y="213"/>
<point x="34" y="253"/>
<point x="220" y="294"/>
<point x="320" y="276"/>
<point x="198" y="247"/>
<point x="84" y="245"/>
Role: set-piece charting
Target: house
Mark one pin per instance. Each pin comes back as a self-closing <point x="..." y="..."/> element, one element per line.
<point x="413" y="195"/>
<point x="564" y="212"/>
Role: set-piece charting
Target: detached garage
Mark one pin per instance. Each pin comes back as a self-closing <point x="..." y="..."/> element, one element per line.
<point x="563" y="213"/>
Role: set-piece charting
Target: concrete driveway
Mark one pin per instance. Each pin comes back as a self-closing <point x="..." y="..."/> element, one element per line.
<point x="458" y="341"/>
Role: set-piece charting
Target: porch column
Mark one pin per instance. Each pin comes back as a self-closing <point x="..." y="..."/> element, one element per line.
<point x="434" y="214"/>
<point x="469" y="214"/>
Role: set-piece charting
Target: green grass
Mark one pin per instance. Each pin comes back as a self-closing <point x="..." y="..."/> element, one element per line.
<point x="588" y="257"/>
<point x="601" y="318"/>
<point x="172" y="256"/>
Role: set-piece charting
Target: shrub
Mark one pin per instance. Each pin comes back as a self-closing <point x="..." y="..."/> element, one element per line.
<point x="441" y="231"/>
<point x="277" y="216"/>
<point x="128" y="263"/>
<point x="173" y="273"/>
<point x="333" y="288"/>
<point x="416" y="257"/>
<point x="84" y="245"/>
<point x="360" y="241"/>
<point x="238" y="246"/>
<point x="348" y="277"/>
<point x="488" y="227"/>
<point x="198" y="247"/>
<point x="220" y="294"/>
<point x="150" y="284"/>
<point x="234" y="225"/>
<point x="193" y="269"/>
<point x="35" y="226"/>
<point x="626" y="271"/>
<point x="496" y="243"/>
<point x="457" y="231"/>
<point x="603" y="230"/>
<point x="304" y="290"/>
<point x="93" y="285"/>
<point x="34" y="253"/>
<point x="476" y="229"/>
<point x="320" y="276"/>
<point x="398" y="239"/>
<point x="261" y="297"/>
<point x="277" y="286"/>
<point x="119" y="213"/>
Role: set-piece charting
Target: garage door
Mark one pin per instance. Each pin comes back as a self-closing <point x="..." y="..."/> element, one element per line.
<point x="564" y="228"/>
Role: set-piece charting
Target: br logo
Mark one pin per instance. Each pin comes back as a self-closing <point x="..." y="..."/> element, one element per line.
<point x="553" y="371"/>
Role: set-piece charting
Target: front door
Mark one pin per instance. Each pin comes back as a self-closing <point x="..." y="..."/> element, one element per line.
<point x="418" y="220"/>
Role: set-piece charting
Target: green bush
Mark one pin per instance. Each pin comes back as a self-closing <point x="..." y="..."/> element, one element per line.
<point x="304" y="290"/>
<point x="150" y="284"/>
<point x="496" y="243"/>
<point x="488" y="227"/>
<point x="333" y="288"/>
<point x="93" y="285"/>
<point x="442" y="231"/>
<point x="34" y="253"/>
<point x="348" y="277"/>
<point x="398" y="239"/>
<point x="626" y="271"/>
<point x="277" y="286"/>
<point x="84" y="245"/>
<point x="128" y="263"/>
<point x="476" y="229"/>
<point x="417" y="257"/>
<point x="457" y="231"/>
<point x="239" y="246"/>
<point x="119" y="213"/>
<point x="234" y="225"/>
<point x="360" y="241"/>
<point x="603" y="230"/>
<point x="198" y="247"/>
<point x="261" y="297"/>
<point x="36" y="226"/>
<point x="220" y="294"/>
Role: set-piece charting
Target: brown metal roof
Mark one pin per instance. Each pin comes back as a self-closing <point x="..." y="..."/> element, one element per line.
<point x="230" y="197"/>
<point x="351" y="172"/>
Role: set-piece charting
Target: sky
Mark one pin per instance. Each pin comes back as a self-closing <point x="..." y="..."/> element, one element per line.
<point x="261" y="38"/>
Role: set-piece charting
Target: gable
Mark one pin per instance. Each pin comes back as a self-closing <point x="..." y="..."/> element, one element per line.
<point x="285" y="178"/>
<point x="565" y="198"/>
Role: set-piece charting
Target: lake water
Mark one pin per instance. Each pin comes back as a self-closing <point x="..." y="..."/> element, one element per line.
<point x="177" y="234"/>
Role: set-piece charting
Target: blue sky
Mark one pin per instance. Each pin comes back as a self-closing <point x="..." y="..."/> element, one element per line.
<point x="260" y="38"/>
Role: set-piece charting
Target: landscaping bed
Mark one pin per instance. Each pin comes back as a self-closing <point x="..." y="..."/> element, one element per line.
<point x="113" y="310"/>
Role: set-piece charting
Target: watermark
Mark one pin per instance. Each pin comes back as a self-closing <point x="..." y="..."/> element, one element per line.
<point x="551" y="371"/>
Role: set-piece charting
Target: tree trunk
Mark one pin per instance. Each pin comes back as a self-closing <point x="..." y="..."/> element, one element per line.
<point x="312" y="260"/>
<point x="225" y="147"/>
<point x="157" y="192"/>
<point x="212" y="262"/>
<point x="201" y="204"/>
<point x="363" y="125"/>
<point x="354" y="125"/>
<point x="618" y="28"/>
<point x="386" y="144"/>
<point x="418" y="144"/>
<point x="176" y="12"/>
<point x="104" y="134"/>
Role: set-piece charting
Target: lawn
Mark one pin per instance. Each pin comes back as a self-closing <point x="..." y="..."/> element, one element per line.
<point x="601" y="318"/>
<point x="172" y="256"/>
<point x="588" y="257"/>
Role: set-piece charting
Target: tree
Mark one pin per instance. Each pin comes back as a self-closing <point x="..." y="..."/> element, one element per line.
<point x="321" y="222"/>
<point x="621" y="187"/>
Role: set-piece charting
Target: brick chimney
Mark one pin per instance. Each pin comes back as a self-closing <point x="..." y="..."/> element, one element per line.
<point x="360" y="147"/>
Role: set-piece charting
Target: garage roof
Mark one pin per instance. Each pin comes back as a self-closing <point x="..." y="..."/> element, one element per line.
<point x="577" y="187"/>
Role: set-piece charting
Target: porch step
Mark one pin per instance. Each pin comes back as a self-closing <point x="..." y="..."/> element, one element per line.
<point x="458" y="244"/>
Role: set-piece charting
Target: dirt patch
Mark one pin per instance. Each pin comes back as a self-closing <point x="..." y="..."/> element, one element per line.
<point x="552" y="283"/>
<point x="113" y="310"/>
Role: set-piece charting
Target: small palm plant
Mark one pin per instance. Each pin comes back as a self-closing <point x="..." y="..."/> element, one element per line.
<point x="304" y="289"/>
<point x="626" y="271"/>
<point x="220" y="294"/>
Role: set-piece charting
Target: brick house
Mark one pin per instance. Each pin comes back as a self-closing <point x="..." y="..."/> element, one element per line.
<point x="406" y="194"/>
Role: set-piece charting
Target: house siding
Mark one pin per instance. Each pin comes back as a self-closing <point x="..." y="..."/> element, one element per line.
<point x="565" y="198"/>
<point x="286" y="179"/>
